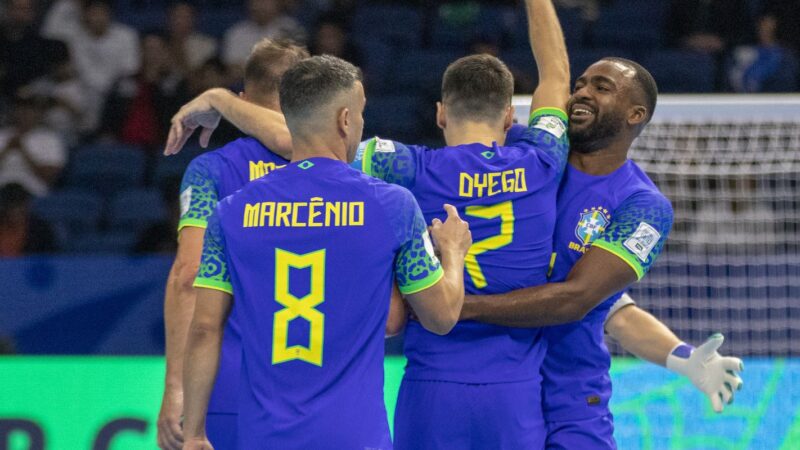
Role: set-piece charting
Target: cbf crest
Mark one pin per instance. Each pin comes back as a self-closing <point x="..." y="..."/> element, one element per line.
<point x="592" y="223"/>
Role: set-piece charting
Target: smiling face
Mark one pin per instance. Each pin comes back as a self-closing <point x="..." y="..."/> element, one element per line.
<point x="600" y="105"/>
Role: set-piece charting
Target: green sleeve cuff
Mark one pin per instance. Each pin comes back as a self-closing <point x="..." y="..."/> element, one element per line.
<point x="366" y="159"/>
<point x="622" y="254"/>
<point x="190" y="222"/>
<point x="422" y="284"/>
<point x="548" y="111"/>
<point x="213" y="284"/>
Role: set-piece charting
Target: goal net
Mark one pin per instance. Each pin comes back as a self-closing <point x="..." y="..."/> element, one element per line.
<point x="731" y="167"/>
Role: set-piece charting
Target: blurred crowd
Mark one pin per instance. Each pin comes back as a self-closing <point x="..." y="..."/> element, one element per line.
<point x="77" y="73"/>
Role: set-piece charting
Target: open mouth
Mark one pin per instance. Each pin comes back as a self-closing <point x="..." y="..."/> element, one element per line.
<point x="580" y="112"/>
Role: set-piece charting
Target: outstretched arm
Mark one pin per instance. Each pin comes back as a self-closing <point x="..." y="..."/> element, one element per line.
<point x="550" y="53"/>
<point x="646" y="337"/>
<point x="205" y="111"/>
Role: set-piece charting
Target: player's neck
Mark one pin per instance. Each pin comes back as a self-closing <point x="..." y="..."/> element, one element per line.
<point x="473" y="133"/>
<point x="317" y="146"/>
<point x="600" y="162"/>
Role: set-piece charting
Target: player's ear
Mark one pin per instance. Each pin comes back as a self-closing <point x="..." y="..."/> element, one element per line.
<point x="508" y="121"/>
<point x="343" y="122"/>
<point x="637" y="115"/>
<point x="441" y="116"/>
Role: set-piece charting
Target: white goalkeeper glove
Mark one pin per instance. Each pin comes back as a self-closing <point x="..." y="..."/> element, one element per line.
<point x="714" y="375"/>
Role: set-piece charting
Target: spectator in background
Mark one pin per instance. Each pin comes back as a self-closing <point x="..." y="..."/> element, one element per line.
<point x="30" y="154"/>
<point x="102" y="51"/>
<point x="188" y="48"/>
<point x="763" y="67"/>
<point x="21" y="233"/>
<point x="62" y="93"/>
<point x="21" y="48"/>
<point x="138" y="108"/>
<point x="331" y="37"/>
<point x="708" y="26"/>
<point x="266" y="19"/>
<point x="63" y="19"/>
<point x="787" y="15"/>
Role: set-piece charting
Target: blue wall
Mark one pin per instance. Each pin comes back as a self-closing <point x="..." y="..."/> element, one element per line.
<point x="84" y="305"/>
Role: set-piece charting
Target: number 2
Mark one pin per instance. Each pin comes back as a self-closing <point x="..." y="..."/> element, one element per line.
<point x="294" y="307"/>
<point x="503" y="210"/>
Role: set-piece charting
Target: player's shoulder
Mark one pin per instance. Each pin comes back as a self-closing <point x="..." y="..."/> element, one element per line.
<point x="638" y="184"/>
<point x="245" y="147"/>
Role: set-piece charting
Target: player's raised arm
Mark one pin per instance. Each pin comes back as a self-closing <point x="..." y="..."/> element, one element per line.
<point x="205" y="111"/>
<point x="550" y="53"/>
<point x="438" y="297"/>
<point x="620" y="256"/>
<point x="640" y="333"/>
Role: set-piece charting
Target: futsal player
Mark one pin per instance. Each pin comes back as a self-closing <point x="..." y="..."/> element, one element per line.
<point x="308" y="252"/>
<point x="208" y="179"/>
<point x="612" y="225"/>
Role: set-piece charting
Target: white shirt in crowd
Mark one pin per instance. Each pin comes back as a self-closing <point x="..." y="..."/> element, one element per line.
<point x="43" y="146"/>
<point x="241" y="37"/>
<point x="198" y="49"/>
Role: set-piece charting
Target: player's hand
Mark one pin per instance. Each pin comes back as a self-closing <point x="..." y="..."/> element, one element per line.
<point x="197" y="113"/>
<point x="715" y="375"/>
<point x="198" y="444"/>
<point x="170" y="434"/>
<point x="452" y="236"/>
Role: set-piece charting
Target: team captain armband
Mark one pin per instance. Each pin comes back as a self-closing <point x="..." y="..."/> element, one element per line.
<point x="551" y="120"/>
<point x="198" y="194"/>
<point x="213" y="272"/>
<point x="638" y="231"/>
<point x="387" y="160"/>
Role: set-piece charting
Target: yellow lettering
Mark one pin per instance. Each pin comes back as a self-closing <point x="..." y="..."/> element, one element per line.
<point x="492" y="182"/>
<point x="315" y="203"/>
<point x="481" y="181"/>
<point x="251" y="215"/>
<point x="332" y="209"/>
<point x="356" y="213"/>
<point x="465" y="185"/>
<point x="282" y="215"/>
<point x="296" y="213"/>
<point x="267" y="210"/>
<point x="520" y="184"/>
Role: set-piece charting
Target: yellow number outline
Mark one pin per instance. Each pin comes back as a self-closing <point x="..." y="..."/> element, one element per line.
<point x="505" y="211"/>
<point x="294" y="307"/>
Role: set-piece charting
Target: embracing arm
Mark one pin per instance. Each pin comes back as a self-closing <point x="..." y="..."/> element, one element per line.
<point x="202" y="358"/>
<point x="595" y="277"/>
<point x="550" y="53"/>
<point x="266" y="125"/>
<point x="179" y="303"/>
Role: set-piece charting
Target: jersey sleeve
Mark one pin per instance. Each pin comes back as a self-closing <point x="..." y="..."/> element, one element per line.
<point x="416" y="266"/>
<point x="214" y="272"/>
<point x="389" y="161"/>
<point x="547" y="133"/>
<point x="638" y="230"/>
<point x="199" y="194"/>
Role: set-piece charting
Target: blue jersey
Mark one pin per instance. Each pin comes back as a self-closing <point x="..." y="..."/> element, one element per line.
<point x="508" y="196"/>
<point x="309" y="254"/>
<point x="623" y="213"/>
<point x="209" y="178"/>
